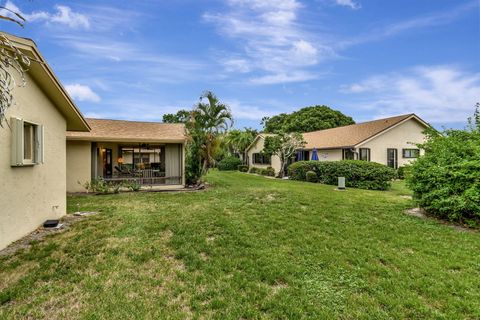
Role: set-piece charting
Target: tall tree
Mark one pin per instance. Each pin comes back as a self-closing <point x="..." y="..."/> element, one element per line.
<point x="209" y="120"/>
<point x="306" y="119"/>
<point x="238" y="140"/>
<point x="283" y="145"/>
<point x="182" y="116"/>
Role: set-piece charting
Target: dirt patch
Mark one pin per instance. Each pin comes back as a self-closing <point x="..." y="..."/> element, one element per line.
<point x="406" y="197"/>
<point x="277" y="287"/>
<point x="41" y="233"/>
<point x="420" y="213"/>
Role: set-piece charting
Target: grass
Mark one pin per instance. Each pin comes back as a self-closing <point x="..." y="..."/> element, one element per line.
<point x="248" y="247"/>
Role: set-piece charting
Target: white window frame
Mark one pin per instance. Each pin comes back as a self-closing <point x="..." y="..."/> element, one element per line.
<point x="18" y="143"/>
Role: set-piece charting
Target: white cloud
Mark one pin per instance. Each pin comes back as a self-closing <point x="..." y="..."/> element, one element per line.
<point x="275" y="47"/>
<point x="348" y="3"/>
<point x="419" y="22"/>
<point x="441" y="94"/>
<point x="63" y="15"/>
<point x="82" y="93"/>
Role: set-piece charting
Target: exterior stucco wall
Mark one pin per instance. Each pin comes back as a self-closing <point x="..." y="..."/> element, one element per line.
<point x="257" y="147"/>
<point x="30" y="195"/>
<point x="329" y="154"/>
<point x="400" y="137"/>
<point x="79" y="162"/>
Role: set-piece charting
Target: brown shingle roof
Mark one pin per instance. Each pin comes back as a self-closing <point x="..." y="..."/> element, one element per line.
<point x="130" y="131"/>
<point x="349" y="136"/>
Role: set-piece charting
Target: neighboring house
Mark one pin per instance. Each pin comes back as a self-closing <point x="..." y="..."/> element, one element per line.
<point x="151" y="153"/>
<point x="391" y="141"/>
<point x="33" y="168"/>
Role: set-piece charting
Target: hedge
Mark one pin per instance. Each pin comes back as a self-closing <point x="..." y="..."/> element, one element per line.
<point x="358" y="174"/>
<point x="229" y="163"/>
<point x="243" y="168"/>
<point x="446" y="180"/>
<point x="269" y="171"/>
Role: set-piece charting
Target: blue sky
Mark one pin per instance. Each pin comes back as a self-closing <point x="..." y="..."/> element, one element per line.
<point x="140" y="59"/>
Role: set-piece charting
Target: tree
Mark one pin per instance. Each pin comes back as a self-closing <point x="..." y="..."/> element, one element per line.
<point x="208" y="122"/>
<point x="182" y="116"/>
<point x="237" y="141"/>
<point x="13" y="62"/>
<point x="446" y="180"/>
<point x="306" y="119"/>
<point x="283" y="145"/>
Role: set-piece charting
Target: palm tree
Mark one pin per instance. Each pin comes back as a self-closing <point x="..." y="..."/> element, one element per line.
<point x="239" y="140"/>
<point x="212" y="118"/>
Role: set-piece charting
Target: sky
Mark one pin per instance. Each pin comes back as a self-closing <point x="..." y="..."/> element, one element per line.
<point x="137" y="60"/>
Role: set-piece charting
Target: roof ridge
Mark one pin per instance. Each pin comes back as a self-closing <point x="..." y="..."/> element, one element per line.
<point x="154" y="122"/>
<point x="365" y="122"/>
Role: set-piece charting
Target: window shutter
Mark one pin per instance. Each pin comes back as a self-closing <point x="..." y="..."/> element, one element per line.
<point x="39" y="144"/>
<point x="17" y="142"/>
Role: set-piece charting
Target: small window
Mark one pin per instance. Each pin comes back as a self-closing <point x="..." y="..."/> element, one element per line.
<point x="260" y="158"/>
<point x="302" y="155"/>
<point x="348" y="154"/>
<point x="27" y="143"/>
<point x="411" y="153"/>
<point x="364" y="154"/>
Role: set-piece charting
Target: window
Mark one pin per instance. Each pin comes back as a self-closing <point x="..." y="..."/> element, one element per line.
<point x="364" y="154"/>
<point x="411" y="153"/>
<point x="27" y="143"/>
<point x="260" y="158"/>
<point x="302" y="155"/>
<point x="392" y="160"/>
<point x="348" y="154"/>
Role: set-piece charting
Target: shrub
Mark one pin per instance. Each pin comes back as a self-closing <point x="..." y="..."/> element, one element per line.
<point x="358" y="174"/>
<point x="403" y="171"/>
<point x="229" y="164"/>
<point x="254" y="170"/>
<point x="97" y="185"/>
<point x="132" y="185"/>
<point x="311" y="176"/>
<point x="446" y="180"/>
<point x="269" y="171"/>
<point x="243" y="168"/>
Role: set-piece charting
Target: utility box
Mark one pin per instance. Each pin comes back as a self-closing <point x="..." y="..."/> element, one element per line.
<point x="341" y="183"/>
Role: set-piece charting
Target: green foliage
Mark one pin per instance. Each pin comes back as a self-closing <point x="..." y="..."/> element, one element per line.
<point x="132" y="185"/>
<point x="358" y="174"/>
<point x="98" y="185"/>
<point x="254" y="170"/>
<point x="403" y="171"/>
<point x="182" y="116"/>
<point x="311" y="176"/>
<point x="206" y="125"/>
<point x="269" y="171"/>
<point x="446" y="180"/>
<point x="306" y="119"/>
<point x="237" y="141"/>
<point x="243" y="168"/>
<point x="229" y="164"/>
<point x="283" y="145"/>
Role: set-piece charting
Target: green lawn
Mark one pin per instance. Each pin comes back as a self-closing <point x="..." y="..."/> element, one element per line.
<point x="248" y="247"/>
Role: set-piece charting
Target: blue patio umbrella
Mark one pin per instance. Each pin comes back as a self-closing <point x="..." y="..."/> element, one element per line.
<point x="314" y="154"/>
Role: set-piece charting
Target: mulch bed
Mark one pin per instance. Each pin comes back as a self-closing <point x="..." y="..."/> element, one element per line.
<point x="41" y="233"/>
<point x="422" y="214"/>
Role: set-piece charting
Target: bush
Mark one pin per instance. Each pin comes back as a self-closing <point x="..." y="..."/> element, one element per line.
<point x="311" y="176"/>
<point x="403" y="171"/>
<point x="229" y="164"/>
<point x="254" y="170"/>
<point x="358" y="174"/>
<point x="269" y="171"/>
<point x="446" y="180"/>
<point x="243" y="168"/>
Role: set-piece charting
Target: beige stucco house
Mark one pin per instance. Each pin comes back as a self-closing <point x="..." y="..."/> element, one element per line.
<point x="48" y="147"/>
<point x="391" y="141"/>
<point x="150" y="153"/>
<point x="33" y="169"/>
